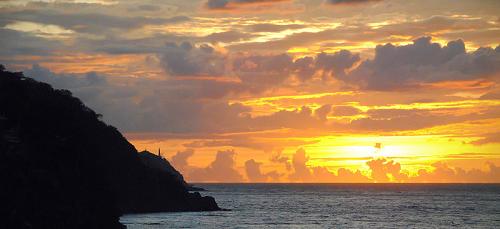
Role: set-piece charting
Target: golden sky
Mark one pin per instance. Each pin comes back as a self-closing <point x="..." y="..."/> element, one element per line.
<point x="280" y="90"/>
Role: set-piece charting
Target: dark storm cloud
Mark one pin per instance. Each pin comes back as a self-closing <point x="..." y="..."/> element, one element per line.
<point x="274" y="69"/>
<point x="185" y="59"/>
<point x="19" y="43"/>
<point x="257" y="72"/>
<point x="336" y="63"/>
<point x="263" y="70"/>
<point x="396" y="67"/>
<point x="66" y="81"/>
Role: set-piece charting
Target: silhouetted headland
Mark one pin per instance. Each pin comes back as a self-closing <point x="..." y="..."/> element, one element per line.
<point x="157" y="162"/>
<point x="62" y="167"/>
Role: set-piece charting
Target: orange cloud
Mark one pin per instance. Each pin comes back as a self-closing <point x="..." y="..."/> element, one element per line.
<point x="380" y="170"/>
<point x="222" y="169"/>
<point x="179" y="160"/>
<point x="383" y="170"/>
<point x="255" y="174"/>
<point x="304" y="173"/>
<point x="488" y="138"/>
<point x="442" y="173"/>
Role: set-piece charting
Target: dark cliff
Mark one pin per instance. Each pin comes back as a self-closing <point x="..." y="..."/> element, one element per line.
<point x="157" y="162"/>
<point x="62" y="167"/>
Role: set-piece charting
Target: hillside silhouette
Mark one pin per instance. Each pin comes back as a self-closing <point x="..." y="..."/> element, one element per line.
<point x="157" y="162"/>
<point x="62" y="167"/>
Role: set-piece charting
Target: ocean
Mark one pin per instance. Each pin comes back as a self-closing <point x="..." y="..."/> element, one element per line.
<point x="338" y="206"/>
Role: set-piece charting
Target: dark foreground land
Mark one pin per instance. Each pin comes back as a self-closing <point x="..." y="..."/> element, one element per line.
<point x="62" y="167"/>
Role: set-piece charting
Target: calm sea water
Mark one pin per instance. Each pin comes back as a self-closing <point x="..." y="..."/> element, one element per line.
<point x="338" y="205"/>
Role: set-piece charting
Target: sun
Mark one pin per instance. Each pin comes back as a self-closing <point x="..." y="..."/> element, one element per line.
<point x="386" y="151"/>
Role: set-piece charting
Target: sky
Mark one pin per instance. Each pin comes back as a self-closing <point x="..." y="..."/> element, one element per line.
<point x="279" y="90"/>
